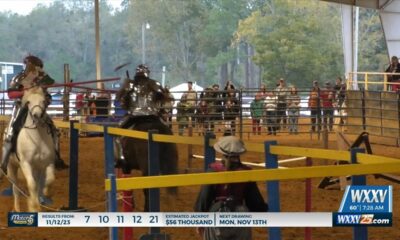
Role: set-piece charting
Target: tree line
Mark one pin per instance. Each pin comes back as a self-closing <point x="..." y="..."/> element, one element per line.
<point x="205" y="41"/>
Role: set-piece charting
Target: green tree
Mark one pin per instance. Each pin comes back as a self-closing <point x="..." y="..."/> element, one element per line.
<point x="172" y="39"/>
<point x="296" y="40"/>
<point x="373" y="55"/>
<point x="216" y="40"/>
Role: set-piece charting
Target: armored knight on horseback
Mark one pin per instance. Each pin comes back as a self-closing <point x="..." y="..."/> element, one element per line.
<point x="143" y="98"/>
<point x="32" y="75"/>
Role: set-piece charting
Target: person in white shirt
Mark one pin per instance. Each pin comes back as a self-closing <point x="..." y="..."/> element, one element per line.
<point x="270" y="112"/>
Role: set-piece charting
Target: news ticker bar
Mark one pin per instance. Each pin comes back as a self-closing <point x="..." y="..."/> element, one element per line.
<point x="195" y="219"/>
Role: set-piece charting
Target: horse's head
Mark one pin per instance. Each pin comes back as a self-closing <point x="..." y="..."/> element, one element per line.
<point x="35" y="99"/>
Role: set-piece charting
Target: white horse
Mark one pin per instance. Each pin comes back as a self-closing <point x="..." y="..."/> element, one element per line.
<point x="35" y="152"/>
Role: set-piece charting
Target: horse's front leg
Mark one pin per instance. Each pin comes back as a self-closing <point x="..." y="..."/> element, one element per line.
<point x="12" y="170"/>
<point x="33" y="200"/>
<point x="49" y="179"/>
<point x="46" y="181"/>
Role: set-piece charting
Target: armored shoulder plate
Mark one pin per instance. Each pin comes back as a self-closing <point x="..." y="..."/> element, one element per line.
<point x="143" y="96"/>
<point x="16" y="81"/>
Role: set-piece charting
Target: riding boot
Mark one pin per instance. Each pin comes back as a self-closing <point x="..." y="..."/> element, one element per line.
<point x="5" y="157"/>
<point x="58" y="161"/>
<point x="120" y="161"/>
<point x="13" y="128"/>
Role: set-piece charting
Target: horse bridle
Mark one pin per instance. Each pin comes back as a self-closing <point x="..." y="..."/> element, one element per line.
<point x="40" y="107"/>
<point x="34" y="125"/>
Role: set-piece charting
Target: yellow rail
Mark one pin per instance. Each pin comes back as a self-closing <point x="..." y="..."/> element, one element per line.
<point x="311" y="152"/>
<point x="252" y="176"/>
<point x="364" y="158"/>
<point x="128" y="133"/>
<point x="4" y="118"/>
<point x="61" y="124"/>
<point x="178" y="139"/>
<point x="366" y="81"/>
<point x="251" y="147"/>
<point x="89" y="127"/>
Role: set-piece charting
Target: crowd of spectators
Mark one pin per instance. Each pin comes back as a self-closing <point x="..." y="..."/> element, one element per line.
<point x="275" y="110"/>
<point x="210" y="107"/>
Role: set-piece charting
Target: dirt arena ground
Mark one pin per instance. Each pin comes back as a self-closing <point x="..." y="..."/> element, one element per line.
<point x="92" y="195"/>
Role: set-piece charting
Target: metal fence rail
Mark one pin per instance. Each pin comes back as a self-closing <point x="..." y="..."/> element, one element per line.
<point x="374" y="111"/>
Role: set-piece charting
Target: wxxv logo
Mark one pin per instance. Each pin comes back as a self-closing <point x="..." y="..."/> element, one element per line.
<point x="349" y="219"/>
<point x="367" y="199"/>
<point x="365" y="205"/>
<point x="368" y="195"/>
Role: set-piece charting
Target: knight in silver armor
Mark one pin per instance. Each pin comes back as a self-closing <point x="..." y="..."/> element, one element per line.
<point x="32" y="75"/>
<point x="142" y="97"/>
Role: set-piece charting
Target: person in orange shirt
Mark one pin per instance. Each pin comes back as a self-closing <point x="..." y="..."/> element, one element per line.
<point x="315" y="106"/>
<point x="327" y="97"/>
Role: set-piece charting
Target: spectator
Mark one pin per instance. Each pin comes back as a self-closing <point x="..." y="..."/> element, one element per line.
<point x="234" y="197"/>
<point x="263" y="91"/>
<point x="315" y="107"/>
<point x="183" y="112"/>
<point x="79" y="104"/>
<point x="394" y="67"/>
<point x="215" y="87"/>
<point x="90" y="106"/>
<point x="282" y="92"/>
<point x="203" y="110"/>
<point x="315" y="84"/>
<point x="232" y="109"/>
<point x="340" y="91"/>
<point x="293" y="101"/>
<point x="256" y="111"/>
<point x="270" y="112"/>
<point x="340" y="96"/>
<point x="191" y="100"/>
<point x="327" y="98"/>
<point x="228" y="86"/>
<point x="217" y="105"/>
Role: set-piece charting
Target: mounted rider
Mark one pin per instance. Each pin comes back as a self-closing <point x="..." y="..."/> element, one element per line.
<point x="32" y="75"/>
<point x="143" y="99"/>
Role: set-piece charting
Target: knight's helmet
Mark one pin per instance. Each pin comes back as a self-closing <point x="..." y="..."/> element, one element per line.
<point x="30" y="59"/>
<point x="142" y="71"/>
<point x="143" y="94"/>
<point x="30" y="62"/>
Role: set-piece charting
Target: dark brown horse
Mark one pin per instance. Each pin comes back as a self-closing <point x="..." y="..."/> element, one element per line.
<point x="136" y="151"/>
